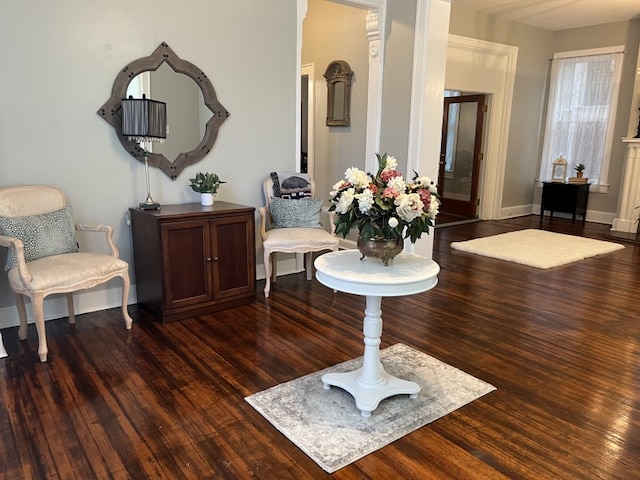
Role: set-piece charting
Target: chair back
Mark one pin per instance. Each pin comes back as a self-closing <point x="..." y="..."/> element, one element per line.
<point x="24" y="200"/>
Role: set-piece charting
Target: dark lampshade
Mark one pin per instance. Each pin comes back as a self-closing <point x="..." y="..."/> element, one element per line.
<point x="144" y="120"/>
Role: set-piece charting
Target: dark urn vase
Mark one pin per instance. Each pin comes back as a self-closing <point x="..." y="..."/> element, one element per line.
<point x="383" y="248"/>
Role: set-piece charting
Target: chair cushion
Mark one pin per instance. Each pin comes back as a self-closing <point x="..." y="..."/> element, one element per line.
<point x="304" y="212"/>
<point x="46" y="234"/>
<point x="299" y="240"/>
<point x="68" y="272"/>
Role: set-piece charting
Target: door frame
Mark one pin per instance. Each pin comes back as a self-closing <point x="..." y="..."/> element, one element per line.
<point x="308" y="70"/>
<point x="477" y="159"/>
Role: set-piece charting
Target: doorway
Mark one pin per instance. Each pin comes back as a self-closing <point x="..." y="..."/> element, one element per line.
<point x="461" y="156"/>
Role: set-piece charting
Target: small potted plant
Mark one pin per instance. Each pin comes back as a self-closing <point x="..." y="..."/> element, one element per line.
<point x="206" y="184"/>
<point x="579" y="170"/>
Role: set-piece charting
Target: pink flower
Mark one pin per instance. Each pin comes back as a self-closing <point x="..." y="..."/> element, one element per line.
<point x="390" y="193"/>
<point x="389" y="174"/>
<point x="425" y="196"/>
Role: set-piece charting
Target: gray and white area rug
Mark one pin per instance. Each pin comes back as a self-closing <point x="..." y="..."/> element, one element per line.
<point x="327" y="426"/>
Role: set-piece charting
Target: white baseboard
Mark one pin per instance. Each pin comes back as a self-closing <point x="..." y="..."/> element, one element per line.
<point x="522" y="210"/>
<point x="85" y="301"/>
<point x="55" y="306"/>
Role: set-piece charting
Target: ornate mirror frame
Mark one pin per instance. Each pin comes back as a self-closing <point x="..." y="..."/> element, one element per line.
<point x="110" y="111"/>
<point x="338" y="75"/>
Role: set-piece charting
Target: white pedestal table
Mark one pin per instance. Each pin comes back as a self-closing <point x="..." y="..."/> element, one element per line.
<point x="407" y="274"/>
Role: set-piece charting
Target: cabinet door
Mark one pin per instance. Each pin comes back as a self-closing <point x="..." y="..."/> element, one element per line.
<point x="185" y="257"/>
<point x="233" y="248"/>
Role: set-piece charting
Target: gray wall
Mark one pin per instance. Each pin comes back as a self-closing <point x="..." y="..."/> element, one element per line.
<point x="535" y="47"/>
<point x="610" y="34"/>
<point x="59" y="62"/>
<point x="337" y="32"/>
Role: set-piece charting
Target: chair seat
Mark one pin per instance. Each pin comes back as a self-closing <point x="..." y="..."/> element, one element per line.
<point x="299" y="239"/>
<point x="68" y="272"/>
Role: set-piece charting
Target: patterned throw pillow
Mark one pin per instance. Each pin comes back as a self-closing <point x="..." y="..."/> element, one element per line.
<point x="304" y="212"/>
<point x="43" y="235"/>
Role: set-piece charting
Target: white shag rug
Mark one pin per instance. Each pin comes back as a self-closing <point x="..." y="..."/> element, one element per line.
<point x="537" y="248"/>
<point x="327" y="426"/>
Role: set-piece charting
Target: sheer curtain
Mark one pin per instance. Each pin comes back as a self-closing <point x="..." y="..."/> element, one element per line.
<point x="581" y="114"/>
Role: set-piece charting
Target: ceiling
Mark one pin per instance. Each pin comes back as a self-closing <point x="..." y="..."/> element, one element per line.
<point x="557" y="14"/>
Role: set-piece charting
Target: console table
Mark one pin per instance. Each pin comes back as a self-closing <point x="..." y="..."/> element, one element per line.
<point x="407" y="274"/>
<point x="191" y="260"/>
<point x="566" y="198"/>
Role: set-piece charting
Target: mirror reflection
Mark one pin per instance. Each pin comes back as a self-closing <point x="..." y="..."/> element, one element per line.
<point x="186" y="111"/>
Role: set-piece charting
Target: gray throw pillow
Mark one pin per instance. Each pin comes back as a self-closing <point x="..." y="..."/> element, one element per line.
<point x="304" y="212"/>
<point x="43" y="235"/>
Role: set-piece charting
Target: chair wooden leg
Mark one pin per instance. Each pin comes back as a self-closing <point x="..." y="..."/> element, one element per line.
<point x="308" y="265"/>
<point x="22" y="315"/>
<point x="38" y="314"/>
<point x="70" y="309"/>
<point x="126" y="285"/>
<point x="274" y="267"/>
<point x="267" y="273"/>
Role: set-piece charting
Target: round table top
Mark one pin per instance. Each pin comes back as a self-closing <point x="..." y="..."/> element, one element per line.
<point x="406" y="274"/>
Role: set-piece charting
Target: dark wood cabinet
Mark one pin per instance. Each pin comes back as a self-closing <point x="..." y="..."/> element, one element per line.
<point x="191" y="260"/>
<point x="566" y="198"/>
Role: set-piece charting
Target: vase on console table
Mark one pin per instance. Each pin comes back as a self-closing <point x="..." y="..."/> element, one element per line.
<point x="206" y="199"/>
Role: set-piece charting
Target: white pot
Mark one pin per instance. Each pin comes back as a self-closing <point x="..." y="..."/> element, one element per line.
<point x="206" y="199"/>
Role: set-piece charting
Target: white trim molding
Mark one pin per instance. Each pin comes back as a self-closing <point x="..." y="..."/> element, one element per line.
<point x="427" y="95"/>
<point x="500" y="62"/>
<point x="629" y="201"/>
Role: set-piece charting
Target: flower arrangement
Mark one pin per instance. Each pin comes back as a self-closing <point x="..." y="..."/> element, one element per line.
<point x="382" y="206"/>
<point x="205" y="182"/>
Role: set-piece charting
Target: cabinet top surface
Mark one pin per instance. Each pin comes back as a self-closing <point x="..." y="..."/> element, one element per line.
<point x="195" y="209"/>
<point x="567" y="184"/>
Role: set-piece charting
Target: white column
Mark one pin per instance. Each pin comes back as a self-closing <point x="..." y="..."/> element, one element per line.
<point x="629" y="200"/>
<point x="427" y="95"/>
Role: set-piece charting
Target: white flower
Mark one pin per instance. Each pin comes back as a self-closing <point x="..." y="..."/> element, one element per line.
<point x="393" y="222"/>
<point x="357" y="177"/>
<point x="398" y="184"/>
<point x="408" y="206"/>
<point x="392" y="164"/>
<point x="422" y="182"/>
<point x="434" y="206"/>
<point x="345" y="201"/>
<point x="365" y="200"/>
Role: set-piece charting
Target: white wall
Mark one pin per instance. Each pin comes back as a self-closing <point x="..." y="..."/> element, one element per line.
<point x="59" y="60"/>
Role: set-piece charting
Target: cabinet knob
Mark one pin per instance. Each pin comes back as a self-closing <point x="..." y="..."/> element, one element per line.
<point x="215" y="259"/>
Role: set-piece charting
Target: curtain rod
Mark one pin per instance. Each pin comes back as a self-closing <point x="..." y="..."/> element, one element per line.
<point x="590" y="53"/>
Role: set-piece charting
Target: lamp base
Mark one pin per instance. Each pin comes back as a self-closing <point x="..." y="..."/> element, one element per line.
<point x="149" y="206"/>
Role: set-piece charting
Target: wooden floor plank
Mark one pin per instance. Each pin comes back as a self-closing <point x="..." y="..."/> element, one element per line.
<point x="562" y="346"/>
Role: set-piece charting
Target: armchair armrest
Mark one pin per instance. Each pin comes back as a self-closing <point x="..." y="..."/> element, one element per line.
<point x="332" y="219"/>
<point x="108" y="232"/>
<point x="264" y="216"/>
<point x="17" y="245"/>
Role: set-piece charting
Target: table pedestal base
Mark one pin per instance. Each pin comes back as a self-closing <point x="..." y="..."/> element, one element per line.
<point x="368" y="397"/>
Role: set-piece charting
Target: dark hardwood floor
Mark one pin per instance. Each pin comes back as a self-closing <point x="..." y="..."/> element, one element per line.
<point x="562" y="346"/>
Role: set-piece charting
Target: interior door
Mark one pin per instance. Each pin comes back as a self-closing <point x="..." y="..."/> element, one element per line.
<point x="461" y="154"/>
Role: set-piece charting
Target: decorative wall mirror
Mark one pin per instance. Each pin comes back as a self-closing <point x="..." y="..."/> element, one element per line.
<point x="338" y="77"/>
<point x="181" y="148"/>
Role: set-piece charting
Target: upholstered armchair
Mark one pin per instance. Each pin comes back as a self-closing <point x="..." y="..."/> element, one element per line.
<point x="290" y="222"/>
<point x="43" y="258"/>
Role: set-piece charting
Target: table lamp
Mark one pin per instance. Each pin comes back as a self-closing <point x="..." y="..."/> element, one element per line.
<point x="145" y="121"/>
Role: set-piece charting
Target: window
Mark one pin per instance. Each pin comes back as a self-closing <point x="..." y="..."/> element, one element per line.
<point x="581" y="113"/>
